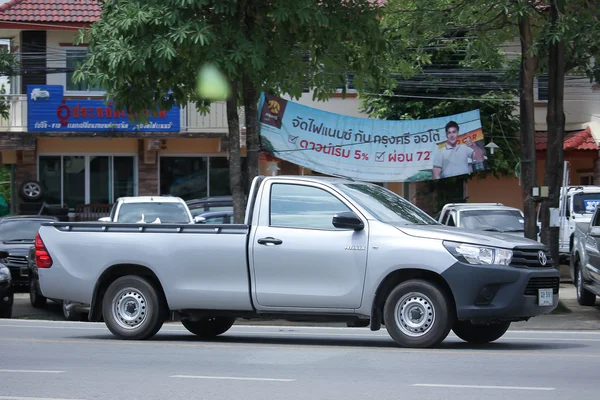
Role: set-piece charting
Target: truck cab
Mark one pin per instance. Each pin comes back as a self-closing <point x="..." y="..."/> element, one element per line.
<point x="490" y="217"/>
<point x="577" y="205"/>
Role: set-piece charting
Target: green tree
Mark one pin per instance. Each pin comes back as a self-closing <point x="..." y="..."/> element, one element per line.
<point x="147" y="55"/>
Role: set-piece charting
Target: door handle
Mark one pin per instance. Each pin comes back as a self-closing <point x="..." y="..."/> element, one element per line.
<point x="269" y="241"/>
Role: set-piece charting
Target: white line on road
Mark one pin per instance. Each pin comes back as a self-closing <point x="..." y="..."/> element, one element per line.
<point x="483" y="387"/>
<point x="31" y="371"/>
<point x="31" y="398"/>
<point x="237" y="378"/>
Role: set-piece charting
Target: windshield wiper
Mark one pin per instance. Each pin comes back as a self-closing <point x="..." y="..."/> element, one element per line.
<point x="492" y="230"/>
<point x="515" y="230"/>
<point x="18" y="240"/>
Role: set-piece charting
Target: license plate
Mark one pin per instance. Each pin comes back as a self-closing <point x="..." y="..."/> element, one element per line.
<point x="24" y="271"/>
<point x="545" y="297"/>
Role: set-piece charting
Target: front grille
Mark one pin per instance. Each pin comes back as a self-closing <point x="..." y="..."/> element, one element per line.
<point x="542" y="283"/>
<point x="17" y="261"/>
<point x="530" y="258"/>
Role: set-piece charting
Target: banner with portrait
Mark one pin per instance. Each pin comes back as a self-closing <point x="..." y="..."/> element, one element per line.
<point x="371" y="149"/>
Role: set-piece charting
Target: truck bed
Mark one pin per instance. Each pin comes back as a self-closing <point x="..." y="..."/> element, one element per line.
<point x="197" y="268"/>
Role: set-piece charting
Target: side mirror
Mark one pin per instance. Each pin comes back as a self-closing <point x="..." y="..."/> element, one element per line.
<point x="3" y="254"/>
<point x="104" y="219"/>
<point x="348" y="220"/>
<point x="199" y="220"/>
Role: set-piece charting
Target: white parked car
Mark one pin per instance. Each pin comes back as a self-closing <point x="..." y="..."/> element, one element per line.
<point x="151" y="210"/>
<point x="491" y="217"/>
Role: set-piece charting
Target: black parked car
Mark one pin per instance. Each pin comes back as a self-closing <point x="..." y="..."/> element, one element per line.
<point x="6" y="289"/>
<point x="205" y="204"/>
<point x="17" y="235"/>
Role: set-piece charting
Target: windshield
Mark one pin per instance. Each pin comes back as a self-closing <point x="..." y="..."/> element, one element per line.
<point x="166" y="213"/>
<point x="20" y="230"/>
<point x="386" y="205"/>
<point x="585" y="203"/>
<point x="492" y="220"/>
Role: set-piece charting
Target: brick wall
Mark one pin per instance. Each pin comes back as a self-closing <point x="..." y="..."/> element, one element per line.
<point x="147" y="173"/>
<point x="24" y="171"/>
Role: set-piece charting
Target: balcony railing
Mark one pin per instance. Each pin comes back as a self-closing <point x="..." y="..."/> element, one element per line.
<point x="215" y="121"/>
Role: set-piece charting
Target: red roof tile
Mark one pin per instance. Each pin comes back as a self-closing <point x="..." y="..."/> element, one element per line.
<point x="574" y="140"/>
<point x="85" y="11"/>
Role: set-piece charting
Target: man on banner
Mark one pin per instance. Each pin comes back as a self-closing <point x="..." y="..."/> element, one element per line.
<point x="456" y="159"/>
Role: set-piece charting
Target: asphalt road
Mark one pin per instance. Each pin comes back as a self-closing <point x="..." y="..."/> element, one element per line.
<point x="80" y="360"/>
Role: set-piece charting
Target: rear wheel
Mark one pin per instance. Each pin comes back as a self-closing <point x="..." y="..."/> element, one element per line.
<point x="132" y="308"/>
<point x="479" y="334"/>
<point x="35" y="297"/>
<point x="418" y="314"/>
<point x="584" y="296"/>
<point x="208" y="327"/>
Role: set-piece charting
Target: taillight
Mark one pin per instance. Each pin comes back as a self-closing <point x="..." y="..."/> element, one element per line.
<point x="42" y="257"/>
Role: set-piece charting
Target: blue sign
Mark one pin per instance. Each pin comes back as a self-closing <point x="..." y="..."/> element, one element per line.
<point x="49" y="111"/>
<point x="371" y="149"/>
<point x="590" y="205"/>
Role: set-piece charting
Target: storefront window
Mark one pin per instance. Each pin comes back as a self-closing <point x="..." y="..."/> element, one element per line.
<point x="74" y="180"/>
<point x="50" y="177"/>
<point x="196" y="177"/>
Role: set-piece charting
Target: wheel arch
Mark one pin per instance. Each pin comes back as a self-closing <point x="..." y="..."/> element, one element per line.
<point x="113" y="273"/>
<point x="398" y="276"/>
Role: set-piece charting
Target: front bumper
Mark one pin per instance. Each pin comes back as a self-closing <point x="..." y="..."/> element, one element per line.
<point x="6" y="295"/>
<point x="500" y="293"/>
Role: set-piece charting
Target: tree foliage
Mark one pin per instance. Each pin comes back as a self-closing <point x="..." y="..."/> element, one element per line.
<point x="147" y="54"/>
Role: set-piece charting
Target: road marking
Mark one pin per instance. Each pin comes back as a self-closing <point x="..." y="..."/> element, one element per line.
<point x="370" y="349"/>
<point x="31" y="371"/>
<point x="237" y="378"/>
<point x="32" y="398"/>
<point x="483" y="387"/>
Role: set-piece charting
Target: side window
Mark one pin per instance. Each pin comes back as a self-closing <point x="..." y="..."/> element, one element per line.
<point x="596" y="218"/>
<point x="298" y="206"/>
<point x="451" y="220"/>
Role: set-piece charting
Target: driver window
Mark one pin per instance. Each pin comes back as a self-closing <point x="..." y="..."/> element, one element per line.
<point x="596" y="219"/>
<point x="299" y="206"/>
<point x="451" y="220"/>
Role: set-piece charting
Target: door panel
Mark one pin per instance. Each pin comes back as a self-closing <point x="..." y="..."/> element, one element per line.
<point x="304" y="260"/>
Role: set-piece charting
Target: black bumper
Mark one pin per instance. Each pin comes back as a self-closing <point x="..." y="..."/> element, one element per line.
<point x="6" y="296"/>
<point x="500" y="293"/>
<point x="20" y="276"/>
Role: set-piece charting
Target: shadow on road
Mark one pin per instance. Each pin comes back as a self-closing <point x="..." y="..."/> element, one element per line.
<point x="376" y="342"/>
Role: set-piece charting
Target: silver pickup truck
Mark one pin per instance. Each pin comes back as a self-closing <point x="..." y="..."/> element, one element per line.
<point x="311" y="249"/>
<point x="585" y="260"/>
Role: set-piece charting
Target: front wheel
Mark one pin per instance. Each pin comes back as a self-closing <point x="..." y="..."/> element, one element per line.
<point x="479" y="334"/>
<point x="132" y="309"/>
<point x="208" y="327"/>
<point x="584" y="296"/>
<point x="35" y="297"/>
<point x="418" y="314"/>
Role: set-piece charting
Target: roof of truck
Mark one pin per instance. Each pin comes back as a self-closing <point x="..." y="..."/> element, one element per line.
<point x="150" y="199"/>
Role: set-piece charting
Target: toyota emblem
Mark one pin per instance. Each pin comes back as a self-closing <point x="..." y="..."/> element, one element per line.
<point x="542" y="257"/>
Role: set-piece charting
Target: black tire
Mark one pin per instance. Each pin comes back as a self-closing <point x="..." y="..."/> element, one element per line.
<point x="584" y="296"/>
<point x="207" y="328"/>
<point x="479" y="334"/>
<point x="137" y="295"/>
<point x="6" y="312"/>
<point x="31" y="191"/>
<point x="35" y="297"/>
<point x="430" y="306"/>
<point x="71" y="315"/>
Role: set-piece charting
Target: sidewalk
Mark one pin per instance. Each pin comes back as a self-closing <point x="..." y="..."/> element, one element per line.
<point x="575" y="318"/>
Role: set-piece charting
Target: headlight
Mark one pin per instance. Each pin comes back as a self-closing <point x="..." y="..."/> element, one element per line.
<point x="473" y="254"/>
<point x="4" y="274"/>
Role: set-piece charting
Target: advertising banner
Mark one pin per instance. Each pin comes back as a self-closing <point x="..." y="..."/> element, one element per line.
<point x="371" y="149"/>
<point x="49" y="111"/>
